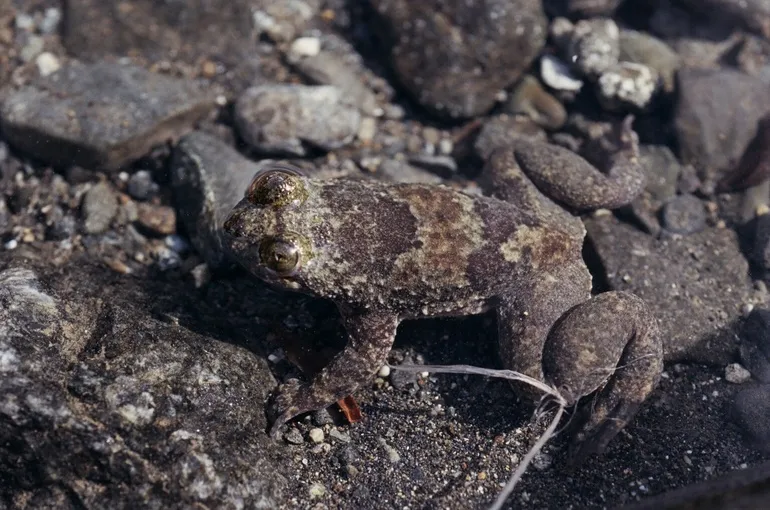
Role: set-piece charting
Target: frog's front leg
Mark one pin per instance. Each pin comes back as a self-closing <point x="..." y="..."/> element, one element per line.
<point x="612" y="344"/>
<point x="370" y="337"/>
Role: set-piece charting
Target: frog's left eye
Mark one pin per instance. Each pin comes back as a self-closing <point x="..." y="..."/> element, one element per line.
<point x="281" y="256"/>
<point x="277" y="186"/>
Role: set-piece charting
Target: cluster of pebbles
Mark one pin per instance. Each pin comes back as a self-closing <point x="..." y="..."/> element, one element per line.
<point x="128" y="130"/>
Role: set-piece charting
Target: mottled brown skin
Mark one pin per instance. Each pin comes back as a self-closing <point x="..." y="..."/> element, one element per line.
<point x="388" y="252"/>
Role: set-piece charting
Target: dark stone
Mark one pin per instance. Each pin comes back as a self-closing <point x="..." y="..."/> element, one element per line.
<point x="684" y="214"/>
<point x="209" y="177"/>
<point x="751" y="412"/>
<point x="755" y="344"/>
<point x="100" y="116"/>
<point x="694" y="285"/>
<point x="717" y="116"/>
<point x="454" y="57"/>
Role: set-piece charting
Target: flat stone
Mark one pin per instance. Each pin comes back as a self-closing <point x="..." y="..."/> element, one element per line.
<point x="695" y="285"/>
<point x="208" y="177"/>
<point x="290" y="119"/>
<point x="455" y="57"/>
<point x="100" y="116"/>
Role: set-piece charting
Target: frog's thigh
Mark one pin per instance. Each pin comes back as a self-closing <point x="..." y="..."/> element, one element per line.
<point x="612" y="343"/>
<point x="526" y="315"/>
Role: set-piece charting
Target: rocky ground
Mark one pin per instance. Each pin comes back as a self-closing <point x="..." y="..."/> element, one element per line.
<point x="135" y="359"/>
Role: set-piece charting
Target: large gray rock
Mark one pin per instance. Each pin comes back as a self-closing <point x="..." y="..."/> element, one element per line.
<point x="100" y="116"/>
<point x="104" y="406"/>
<point x="455" y="56"/>
<point x="695" y="285"/>
<point x="717" y="115"/>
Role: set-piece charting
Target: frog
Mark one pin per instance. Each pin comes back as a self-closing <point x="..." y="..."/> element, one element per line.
<point x="386" y="252"/>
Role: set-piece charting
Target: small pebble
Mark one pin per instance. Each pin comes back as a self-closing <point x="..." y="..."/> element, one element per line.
<point x="47" y="63"/>
<point x="684" y="214"/>
<point x="201" y="275"/>
<point x="158" y="219"/>
<point x="736" y="374"/>
<point x="384" y="371"/>
<point x="393" y="455"/>
<point x="367" y="129"/>
<point x="32" y="49"/>
<point x="542" y="461"/>
<point x="100" y="205"/>
<point x="339" y="436"/>
<point x="11" y="244"/>
<point x="557" y="75"/>
<point x="317" y="490"/>
<point x="51" y="19"/>
<point x="293" y="436"/>
<point x="316" y="435"/>
<point x="322" y="417"/>
<point x="177" y="243"/>
<point x="627" y="84"/>
<point x="306" y="47"/>
<point x="141" y="186"/>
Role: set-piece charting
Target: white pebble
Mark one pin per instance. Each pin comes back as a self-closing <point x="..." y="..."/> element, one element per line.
<point x="384" y="371"/>
<point x="306" y="47"/>
<point x="316" y="435"/>
<point x="557" y="75"/>
<point x="11" y="244"/>
<point x="736" y="373"/>
<point x="47" y="63"/>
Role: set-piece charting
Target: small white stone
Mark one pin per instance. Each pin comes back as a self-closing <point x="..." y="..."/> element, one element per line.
<point x="557" y="75"/>
<point x="736" y="373"/>
<point x="384" y="371"/>
<point x="11" y="244"/>
<point x="306" y="47"/>
<point x="316" y="435"/>
<point x="367" y="129"/>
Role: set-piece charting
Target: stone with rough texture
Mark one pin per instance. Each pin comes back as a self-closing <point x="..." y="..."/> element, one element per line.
<point x="291" y="119"/>
<point x="717" y="116"/>
<point x="104" y="406"/>
<point x="209" y="177"/>
<point x="455" y="57"/>
<point x="694" y="285"/>
<point x="100" y="116"/>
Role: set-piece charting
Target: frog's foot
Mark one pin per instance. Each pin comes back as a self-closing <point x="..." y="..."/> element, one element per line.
<point x="611" y="344"/>
<point x="290" y="399"/>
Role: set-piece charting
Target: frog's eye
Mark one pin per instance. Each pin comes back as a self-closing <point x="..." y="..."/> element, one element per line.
<point x="277" y="186"/>
<point x="281" y="256"/>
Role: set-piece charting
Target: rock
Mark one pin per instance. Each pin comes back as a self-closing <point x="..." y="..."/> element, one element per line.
<point x="581" y="8"/>
<point x="557" y="75"/>
<point x="282" y="20"/>
<point x="343" y="69"/>
<point x="47" y="63"/>
<point x="760" y="247"/>
<point x="189" y="32"/>
<point x="662" y="170"/>
<point x="159" y="220"/>
<point x="293" y="436"/>
<point x="755" y="344"/>
<point x="752" y="14"/>
<point x="502" y="130"/>
<point x="103" y="404"/>
<point x="736" y="374"/>
<point x="751" y="412"/>
<point x="684" y="214"/>
<point x="531" y="99"/>
<point x="694" y="285"/>
<point x="627" y="86"/>
<point x="717" y="116"/>
<point x="100" y="116"/>
<point x="593" y="46"/>
<point x="141" y="186"/>
<point x="208" y="177"/>
<point x="316" y="435"/>
<point x="290" y="119"/>
<point x="397" y="170"/>
<point x="100" y="205"/>
<point x="642" y="48"/>
<point x="455" y="57"/>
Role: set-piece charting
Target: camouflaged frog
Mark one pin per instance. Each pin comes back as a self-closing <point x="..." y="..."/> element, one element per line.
<point x="387" y="252"/>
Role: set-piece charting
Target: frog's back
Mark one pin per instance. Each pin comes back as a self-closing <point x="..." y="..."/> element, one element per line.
<point x="439" y="247"/>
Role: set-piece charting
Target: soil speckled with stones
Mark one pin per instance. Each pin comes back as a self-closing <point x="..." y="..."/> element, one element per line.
<point x="137" y="359"/>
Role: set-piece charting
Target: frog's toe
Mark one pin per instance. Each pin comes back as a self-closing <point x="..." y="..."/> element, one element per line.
<point x="285" y="404"/>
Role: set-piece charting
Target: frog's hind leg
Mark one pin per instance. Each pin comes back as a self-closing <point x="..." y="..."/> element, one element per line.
<point x="612" y="344"/>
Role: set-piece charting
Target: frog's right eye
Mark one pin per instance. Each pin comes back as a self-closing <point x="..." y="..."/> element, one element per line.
<point x="277" y="186"/>
<point x="281" y="256"/>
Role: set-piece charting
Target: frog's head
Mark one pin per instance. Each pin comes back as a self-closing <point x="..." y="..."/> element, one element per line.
<point x="265" y="230"/>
